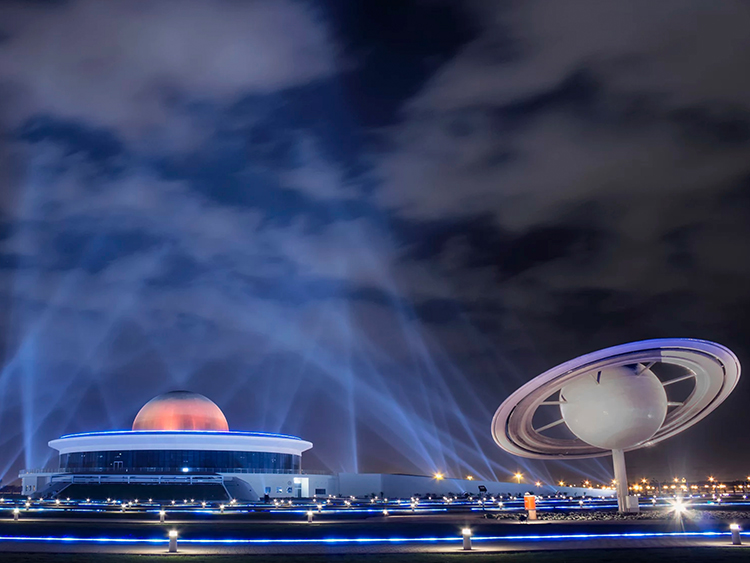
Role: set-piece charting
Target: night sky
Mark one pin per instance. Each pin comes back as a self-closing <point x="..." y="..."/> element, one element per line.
<point x="366" y="223"/>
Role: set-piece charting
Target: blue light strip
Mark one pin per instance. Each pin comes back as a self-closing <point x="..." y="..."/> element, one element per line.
<point x="181" y="432"/>
<point x="343" y="541"/>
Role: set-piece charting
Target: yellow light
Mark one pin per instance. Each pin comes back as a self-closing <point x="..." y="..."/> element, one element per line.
<point x="469" y="478"/>
<point x="438" y="476"/>
<point x="518" y="476"/>
<point x="538" y="483"/>
<point x="562" y="483"/>
<point x="711" y="479"/>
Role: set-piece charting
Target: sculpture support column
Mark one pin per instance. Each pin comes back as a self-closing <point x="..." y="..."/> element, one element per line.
<point x="621" y="479"/>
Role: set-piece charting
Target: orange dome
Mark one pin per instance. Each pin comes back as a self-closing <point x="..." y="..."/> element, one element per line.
<point x="180" y="410"/>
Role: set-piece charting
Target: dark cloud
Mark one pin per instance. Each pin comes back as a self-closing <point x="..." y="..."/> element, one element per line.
<point x="98" y="146"/>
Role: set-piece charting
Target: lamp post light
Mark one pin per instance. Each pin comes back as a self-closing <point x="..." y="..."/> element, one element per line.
<point x="172" y="541"/>
<point x="518" y="477"/>
<point x="221" y="508"/>
<point x="16" y="513"/>
<point x="162" y="516"/>
<point x="466" y="533"/>
<point x="735" y="528"/>
<point x="309" y="516"/>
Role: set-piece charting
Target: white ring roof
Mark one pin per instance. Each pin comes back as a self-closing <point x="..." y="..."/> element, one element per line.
<point x="204" y="440"/>
<point x="715" y="368"/>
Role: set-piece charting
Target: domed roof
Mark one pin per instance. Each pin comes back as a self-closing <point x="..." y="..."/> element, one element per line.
<point x="180" y="410"/>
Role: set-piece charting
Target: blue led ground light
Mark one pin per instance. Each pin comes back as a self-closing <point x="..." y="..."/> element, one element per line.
<point x="215" y="432"/>
<point x="344" y="541"/>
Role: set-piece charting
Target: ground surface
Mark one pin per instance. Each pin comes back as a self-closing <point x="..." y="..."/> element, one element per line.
<point x="52" y="533"/>
<point x="673" y="555"/>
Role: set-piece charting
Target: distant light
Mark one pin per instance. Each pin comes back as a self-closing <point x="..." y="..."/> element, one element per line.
<point x="469" y="478"/>
<point x="538" y="483"/>
<point x="438" y="476"/>
<point x="518" y="476"/>
<point x="172" y="533"/>
<point x="466" y="532"/>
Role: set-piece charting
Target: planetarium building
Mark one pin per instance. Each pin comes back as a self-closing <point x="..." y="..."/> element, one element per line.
<point x="179" y="439"/>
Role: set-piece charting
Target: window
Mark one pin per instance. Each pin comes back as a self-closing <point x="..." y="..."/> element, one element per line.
<point x="173" y="461"/>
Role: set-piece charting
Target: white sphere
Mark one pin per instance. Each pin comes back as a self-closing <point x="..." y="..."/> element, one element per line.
<point x="616" y="409"/>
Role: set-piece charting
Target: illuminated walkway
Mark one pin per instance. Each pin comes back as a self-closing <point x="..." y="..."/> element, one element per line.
<point x="330" y="546"/>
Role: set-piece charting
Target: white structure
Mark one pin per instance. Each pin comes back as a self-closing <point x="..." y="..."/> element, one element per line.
<point x="612" y="402"/>
<point x="180" y="438"/>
